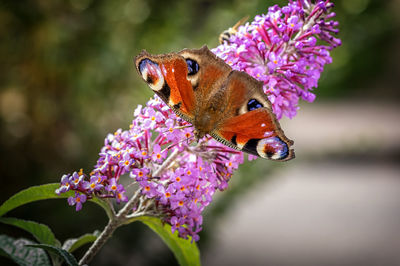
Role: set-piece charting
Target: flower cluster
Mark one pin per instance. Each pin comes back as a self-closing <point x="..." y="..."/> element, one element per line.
<point x="183" y="187"/>
<point x="175" y="176"/>
<point x="281" y="49"/>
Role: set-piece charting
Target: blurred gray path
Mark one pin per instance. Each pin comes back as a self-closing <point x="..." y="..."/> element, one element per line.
<point x="322" y="212"/>
<point x="323" y="127"/>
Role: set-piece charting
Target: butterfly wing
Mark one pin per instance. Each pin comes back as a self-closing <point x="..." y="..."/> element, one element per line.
<point x="229" y="105"/>
<point x="249" y="123"/>
<point x="187" y="81"/>
<point x="167" y="77"/>
<point x="211" y="73"/>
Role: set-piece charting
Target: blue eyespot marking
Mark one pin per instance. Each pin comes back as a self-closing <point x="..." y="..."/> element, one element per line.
<point x="144" y="63"/>
<point x="253" y="104"/>
<point x="283" y="150"/>
<point x="193" y="66"/>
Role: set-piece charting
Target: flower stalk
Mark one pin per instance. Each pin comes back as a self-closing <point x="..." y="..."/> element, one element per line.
<point x="100" y="241"/>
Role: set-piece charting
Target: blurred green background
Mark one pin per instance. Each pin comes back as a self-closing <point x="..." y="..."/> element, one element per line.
<point x="67" y="79"/>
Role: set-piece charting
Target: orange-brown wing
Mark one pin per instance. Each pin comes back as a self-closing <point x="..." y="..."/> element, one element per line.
<point x="166" y="75"/>
<point x="187" y="81"/>
<point x="256" y="133"/>
<point x="248" y="123"/>
<point x="210" y="75"/>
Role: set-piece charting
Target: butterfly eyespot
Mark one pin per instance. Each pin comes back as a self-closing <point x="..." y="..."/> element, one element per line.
<point x="253" y="104"/>
<point x="193" y="66"/>
<point x="274" y="148"/>
<point x="151" y="73"/>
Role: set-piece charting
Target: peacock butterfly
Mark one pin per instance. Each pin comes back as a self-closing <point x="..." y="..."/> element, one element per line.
<point x="227" y="104"/>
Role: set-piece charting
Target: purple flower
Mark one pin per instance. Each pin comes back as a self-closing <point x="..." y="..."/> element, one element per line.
<point x="126" y="162"/>
<point x="178" y="179"/>
<point x="77" y="201"/>
<point x="120" y="196"/>
<point x="294" y="24"/>
<point x="152" y="117"/>
<point x="281" y="50"/>
<point x="158" y="155"/>
<point x="95" y="183"/>
<point x="114" y="186"/>
<point x="75" y="180"/>
<point x="275" y="61"/>
<point x="64" y="186"/>
<point x="139" y="173"/>
<point x="165" y="193"/>
<point x="149" y="188"/>
<point x="172" y="134"/>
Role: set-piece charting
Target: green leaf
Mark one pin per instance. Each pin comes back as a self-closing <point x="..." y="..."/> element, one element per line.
<point x="31" y="194"/>
<point x="68" y="257"/>
<point x="41" y="232"/>
<point x="43" y="192"/>
<point x="185" y="252"/>
<point x="18" y="251"/>
<point x="73" y="244"/>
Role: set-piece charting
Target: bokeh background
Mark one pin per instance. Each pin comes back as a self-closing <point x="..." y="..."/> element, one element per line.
<point x="67" y="79"/>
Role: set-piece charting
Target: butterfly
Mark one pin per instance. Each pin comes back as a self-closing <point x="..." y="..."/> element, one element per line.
<point x="227" y="104"/>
